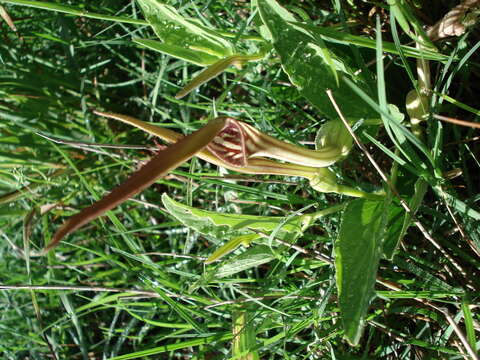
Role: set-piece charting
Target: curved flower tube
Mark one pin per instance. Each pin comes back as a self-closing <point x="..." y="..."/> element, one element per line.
<point x="225" y="142"/>
<point x="321" y="179"/>
<point x="237" y="142"/>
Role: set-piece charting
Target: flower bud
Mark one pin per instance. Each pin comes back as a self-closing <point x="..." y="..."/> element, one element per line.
<point x="417" y="105"/>
<point x="324" y="181"/>
<point x="334" y="134"/>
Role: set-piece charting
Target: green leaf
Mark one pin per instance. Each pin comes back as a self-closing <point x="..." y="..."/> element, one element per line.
<point x="192" y="56"/>
<point x="238" y="228"/>
<point x="457" y="204"/>
<point x="421" y="187"/>
<point x="429" y="281"/>
<point x="357" y="254"/>
<point x="181" y="310"/>
<point x="218" y="224"/>
<point x="469" y="324"/>
<point x="174" y="29"/>
<point x="407" y="20"/>
<point x="309" y="65"/>
<point x="399" y="221"/>
<point x="394" y="231"/>
<point x="341" y="37"/>
<point x="71" y="10"/>
<point x="203" y="340"/>
<point x="214" y="70"/>
<point x="7" y="211"/>
<point x="231" y="245"/>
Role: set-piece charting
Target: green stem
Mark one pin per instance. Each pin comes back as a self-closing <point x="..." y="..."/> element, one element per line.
<point x="322" y="213"/>
<point x="346" y="190"/>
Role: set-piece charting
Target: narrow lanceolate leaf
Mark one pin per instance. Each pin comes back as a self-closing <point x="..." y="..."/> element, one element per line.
<point x="399" y="221"/>
<point x="357" y="253"/>
<point x="165" y="161"/>
<point x="341" y="37"/>
<point x="179" y="52"/>
<point x="468" y="319"/>
<point x="231" y="245"/>
<point x="251" y="258"/>
<point x="206" y="75"/>
<point x="393" y="233"/>
<point x="219" y="224"/>
<point x="305" y="61"/>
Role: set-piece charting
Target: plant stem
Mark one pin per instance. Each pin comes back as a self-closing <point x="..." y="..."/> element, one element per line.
<point x="346" y="190"/>
<point x="321" y="213"/>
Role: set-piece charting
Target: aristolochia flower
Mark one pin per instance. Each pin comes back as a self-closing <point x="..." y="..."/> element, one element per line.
<point x="225" y="142"/>
<point x="238" y="142"/>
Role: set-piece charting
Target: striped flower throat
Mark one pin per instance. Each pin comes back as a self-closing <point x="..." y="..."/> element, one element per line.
<point x="237" y="142"/>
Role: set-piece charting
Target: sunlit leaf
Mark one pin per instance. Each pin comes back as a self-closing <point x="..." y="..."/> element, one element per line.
<point x="357" y="253"/>
<point x="174" y="29"/>
<point x="192" y="56"/>
<point x="244" y="331"/>
<point x="308" y="67"/>
<point x="236" y="229"/>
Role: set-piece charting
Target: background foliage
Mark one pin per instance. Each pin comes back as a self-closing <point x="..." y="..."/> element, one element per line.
<point x="135" y="285"/>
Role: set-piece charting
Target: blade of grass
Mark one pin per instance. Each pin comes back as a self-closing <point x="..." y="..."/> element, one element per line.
<point x="67" y="9"/>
